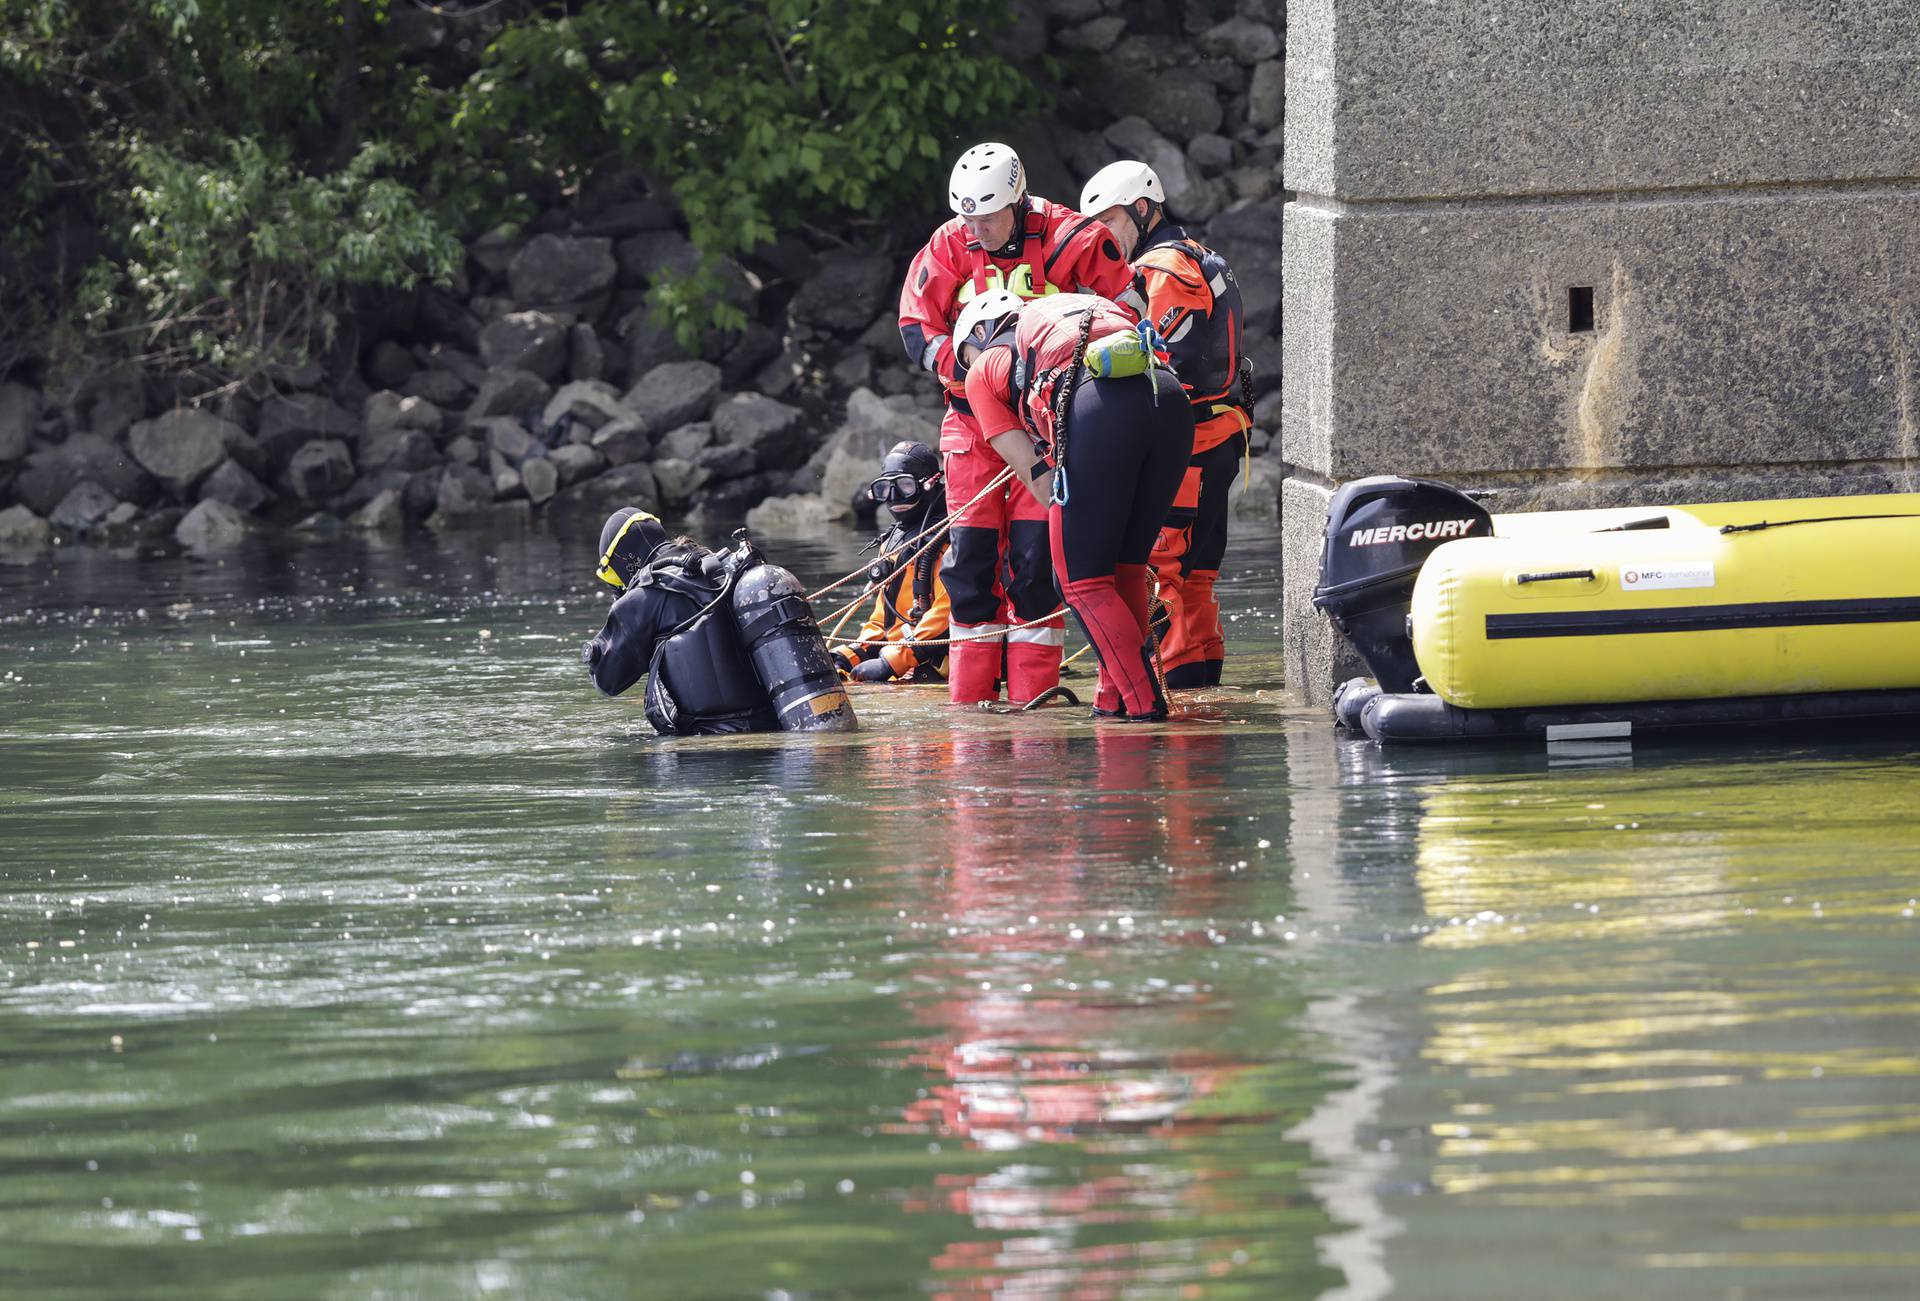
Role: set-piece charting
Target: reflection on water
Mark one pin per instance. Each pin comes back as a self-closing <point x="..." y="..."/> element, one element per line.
<point x="349" y="946"/>
<point x="1650" y="1010"/>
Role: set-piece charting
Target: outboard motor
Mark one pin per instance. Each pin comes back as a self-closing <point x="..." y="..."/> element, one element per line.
<point x="1379" y="532"/>
<point x="781" y="638"/>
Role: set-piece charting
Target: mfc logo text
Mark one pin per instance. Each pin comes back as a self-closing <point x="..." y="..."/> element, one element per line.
<point x="1430" y="530"/>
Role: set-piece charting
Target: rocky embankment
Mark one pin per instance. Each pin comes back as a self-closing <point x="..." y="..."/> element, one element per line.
<point x="543" y="384"/>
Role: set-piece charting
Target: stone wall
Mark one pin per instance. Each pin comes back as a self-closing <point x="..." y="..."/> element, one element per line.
<point x="1590" y="254"/>
<point x="542" y="385"/>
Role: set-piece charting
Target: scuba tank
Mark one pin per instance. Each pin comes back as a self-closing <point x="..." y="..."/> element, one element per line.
<point x="789" y="655"/>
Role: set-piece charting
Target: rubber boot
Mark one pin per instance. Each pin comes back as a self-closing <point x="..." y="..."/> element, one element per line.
<point x="1032" y="667"/>
<point x="973" y="667"/>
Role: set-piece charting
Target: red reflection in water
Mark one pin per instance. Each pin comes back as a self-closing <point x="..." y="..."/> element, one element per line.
<point x="1022" y="1062"/>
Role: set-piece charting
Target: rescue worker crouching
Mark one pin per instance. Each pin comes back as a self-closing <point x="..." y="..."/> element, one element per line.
<point x="910" y="606"/>
<point x="1191" y="297"/>
<point x="997" y="569"/>
<point x="726" y="642"/>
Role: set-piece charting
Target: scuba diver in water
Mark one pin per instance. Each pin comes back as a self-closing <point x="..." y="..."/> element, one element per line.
<point x="726" y="642"/>
<point x="910" y="607"/>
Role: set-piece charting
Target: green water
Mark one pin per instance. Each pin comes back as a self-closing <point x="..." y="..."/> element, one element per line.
<point x="351" y="946"/>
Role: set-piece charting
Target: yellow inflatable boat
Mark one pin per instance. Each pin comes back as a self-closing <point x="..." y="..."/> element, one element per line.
<point x="1589" y="623"/>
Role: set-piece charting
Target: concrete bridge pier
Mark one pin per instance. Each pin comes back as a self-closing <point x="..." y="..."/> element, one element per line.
<point x="1592" y="253"/>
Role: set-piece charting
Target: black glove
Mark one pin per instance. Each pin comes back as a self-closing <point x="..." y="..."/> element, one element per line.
<point x="873" y="670"/>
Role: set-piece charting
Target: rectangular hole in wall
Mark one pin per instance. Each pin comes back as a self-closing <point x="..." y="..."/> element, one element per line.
<point x="1580" y="309"/>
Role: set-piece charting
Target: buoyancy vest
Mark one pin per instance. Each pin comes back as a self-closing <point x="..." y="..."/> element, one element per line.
<point x="918" y="578"/>
<point x="1205" y="345"/>
<point x="700" y="680"/>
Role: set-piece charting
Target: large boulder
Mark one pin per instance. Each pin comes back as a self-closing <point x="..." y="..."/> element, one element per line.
<point x="554" y="269"/>
<point x="387" y="412"/>
<point x="83" y="508"/>
<point x="388" y="365"/>
<point x="539" y="479"/>
<point x="401" y="449"/>
<point x="183" y="447"/>
<point x="211" y="526"/>
<point x="685" y="442"/>
<point x="504" y="435"/>
<point x="525" y="341"/>
<point x="657" y="254"/>
<point x="107" y="402"/>
<point x="1241" y="39"/>
<point x="622" y="440"/>
<point x="596" y="498"/>
<point x="649" y="340"/>
<point x="586" y="355"/>
<point x="21" y="530"/>
<point x="678" y="479"/>
<point x="383" y="514"/>
<point x="444" y="388"/>
<point x="851" y="456"/>
<point x="1095" y="36"/>
<point x="322" y="468"/>
<point x="233" y="484"/>
<point x="799" y="515"/>
<point x="773" y="431"/>
<point x="590" y="402"/>
<point x="53" y="472"/>
<point x="1267" y="95"/>
<point x="1249" y="239"/>
<point x="1189" y="197"/>
<point x="574" y="463"/>
<point x="724" y="461"/>
<point x="1260" y="502"/>
<point x="20" y="409"/>
<point x="1179" y="103"/>
<point x="509" y="393"/>
<point x="670" y="395"/>
<point x="845" y="292"/>
<point x="289" y="423"/>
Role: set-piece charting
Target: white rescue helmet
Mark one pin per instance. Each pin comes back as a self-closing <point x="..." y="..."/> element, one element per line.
<point x="987" y="178"/>
<point x="987" y="309"/>
<point x="1119" y="185"/>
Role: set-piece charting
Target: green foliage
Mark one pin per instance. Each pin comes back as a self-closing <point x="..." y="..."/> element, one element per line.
<point x="252" y="160"/>
<point x="760" y="117"/>
<point x="242" y="260"/>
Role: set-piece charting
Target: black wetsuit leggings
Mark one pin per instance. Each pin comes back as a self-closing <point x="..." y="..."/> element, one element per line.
<point x="1126" y="454"/>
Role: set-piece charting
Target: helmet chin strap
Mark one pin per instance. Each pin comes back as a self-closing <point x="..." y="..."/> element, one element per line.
<point x="1140" y="223"/>
<point x="1018" y="235"/>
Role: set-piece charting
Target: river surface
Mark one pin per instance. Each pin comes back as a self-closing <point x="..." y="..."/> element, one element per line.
<point x="351" y="946"/>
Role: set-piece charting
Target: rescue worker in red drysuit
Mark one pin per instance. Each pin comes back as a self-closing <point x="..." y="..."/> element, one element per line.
<point x="1193" y="300"/>
<point x="1000" y="238"/>
<point x="910" y="606"/>
<point x="1127" y="442"/>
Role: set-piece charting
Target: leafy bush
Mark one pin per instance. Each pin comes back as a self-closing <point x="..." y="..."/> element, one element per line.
<point x="246" y="162"/>
<point x="242" y="262"/>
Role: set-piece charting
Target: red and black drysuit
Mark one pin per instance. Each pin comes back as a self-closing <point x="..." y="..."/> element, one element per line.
<point x="1193" y="300"/>
<point x="1127" y="443"/>
<point x="997" y="570"/>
